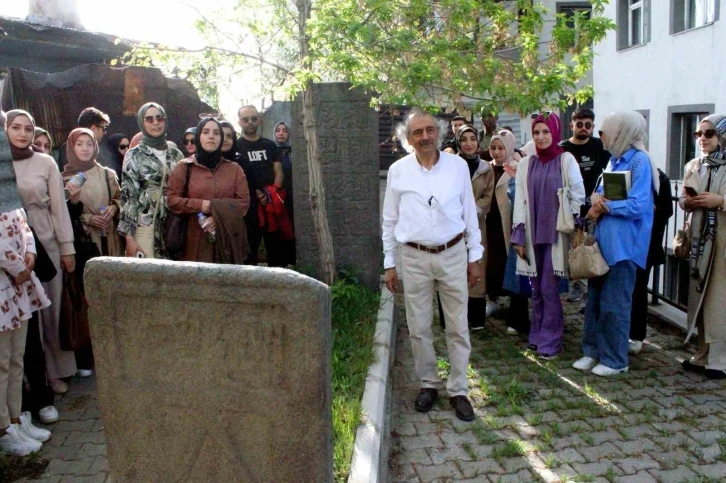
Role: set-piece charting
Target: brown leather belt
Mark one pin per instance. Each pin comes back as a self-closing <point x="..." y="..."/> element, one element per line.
<point x="439" y="248"/>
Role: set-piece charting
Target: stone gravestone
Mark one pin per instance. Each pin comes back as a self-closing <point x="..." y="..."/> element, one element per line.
<point x="211" y="373"/>
<point x="348" y="144"/>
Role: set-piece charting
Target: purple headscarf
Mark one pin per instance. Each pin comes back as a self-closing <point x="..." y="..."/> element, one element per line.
<point x="553" y="123"/>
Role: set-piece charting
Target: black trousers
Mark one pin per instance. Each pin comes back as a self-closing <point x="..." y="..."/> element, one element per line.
<point x="518" y="314"/>
<point x="84" y="357"/>
<point x="639" y="311"/>
<point x="276" y="256"/>
<point x="39" y="394"/>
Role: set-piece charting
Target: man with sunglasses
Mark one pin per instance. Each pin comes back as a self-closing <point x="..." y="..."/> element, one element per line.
<point x="261" y="160"/>
<point x="593" y="158"/>
<point x="97" y="121"/>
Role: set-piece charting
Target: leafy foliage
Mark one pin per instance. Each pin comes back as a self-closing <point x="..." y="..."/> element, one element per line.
<point x="490" y="54"/>
<point x="486" y="55"/>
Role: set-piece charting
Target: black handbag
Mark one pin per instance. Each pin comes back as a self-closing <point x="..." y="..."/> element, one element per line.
<point x="175" y="227"/>
<point x="44" y="268"/>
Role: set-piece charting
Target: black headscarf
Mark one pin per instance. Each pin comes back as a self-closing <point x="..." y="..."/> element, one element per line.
<point x="471" y="159"/>
<point x="205" y="158"/>
<point x="117" y="159"/>
<point x="231" y="154"/>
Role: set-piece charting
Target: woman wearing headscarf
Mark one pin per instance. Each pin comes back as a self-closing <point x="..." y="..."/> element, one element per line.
<point x="282" y="140"/>
<point x="143" y="187"/>
<point x="41" y="189"/>
<point x="704" y="191"/>
<point x="466" y="143"/>
<point x="541" y="249"/>
<point x="118" y="146"/>
<point x="216" y="187"/>
<point x="188" y="144"/>
<point x="43" y="142"/>
<point x="99" y="196"/>
<point x="498" y="221"/>
<point x="623" y="234"/>
<point x="229" y="143"/>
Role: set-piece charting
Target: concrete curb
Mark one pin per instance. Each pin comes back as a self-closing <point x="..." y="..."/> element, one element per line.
<point x="370" y="454"/>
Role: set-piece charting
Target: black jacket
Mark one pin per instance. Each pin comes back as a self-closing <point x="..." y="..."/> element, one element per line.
<point x="663" y="211"/>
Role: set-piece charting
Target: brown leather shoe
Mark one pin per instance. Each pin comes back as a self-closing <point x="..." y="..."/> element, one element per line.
<point x="462" y="408"/>
<point x="426" y="399"/>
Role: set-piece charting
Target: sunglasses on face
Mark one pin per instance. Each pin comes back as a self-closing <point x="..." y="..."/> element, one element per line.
<point x="157" y="118"/>
<point x="249" y="118"/>
<point x="708" y="133"/>
<point x="535" y="115"/>
<point x="580" y="124"/>
<point x="123" y="146"/>
<point x="105" y="128"/>
<point x="189" y="141"/>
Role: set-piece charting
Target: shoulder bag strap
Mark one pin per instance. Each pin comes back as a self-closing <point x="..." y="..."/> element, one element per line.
<point x="161" y="192"/>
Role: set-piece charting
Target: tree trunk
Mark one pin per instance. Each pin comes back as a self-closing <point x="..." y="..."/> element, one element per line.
<point x="317" y="190"/>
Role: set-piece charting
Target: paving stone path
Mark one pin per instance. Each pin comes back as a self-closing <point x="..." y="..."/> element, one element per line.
<point x="544" y="421"/>
<point x="77" y="451"/>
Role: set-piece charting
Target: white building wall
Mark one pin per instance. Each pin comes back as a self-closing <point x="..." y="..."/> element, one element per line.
<point x="671" y="70"/>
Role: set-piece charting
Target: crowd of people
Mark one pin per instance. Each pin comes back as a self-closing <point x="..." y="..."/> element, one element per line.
<point x="476" y="219"/>
<point x="214" y="201"/>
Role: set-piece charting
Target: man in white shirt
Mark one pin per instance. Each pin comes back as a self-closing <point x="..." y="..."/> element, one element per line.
<point x="429" y="212"/>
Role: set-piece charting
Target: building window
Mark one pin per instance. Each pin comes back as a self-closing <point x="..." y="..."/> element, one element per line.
<point x="690" y="14"/>
<point x="682" y="147"/>
<point x="633" y="19"/>
<point x="635" y="22"/>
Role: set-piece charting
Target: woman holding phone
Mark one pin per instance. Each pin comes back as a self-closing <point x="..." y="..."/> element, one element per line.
<point x="704" y="193"/>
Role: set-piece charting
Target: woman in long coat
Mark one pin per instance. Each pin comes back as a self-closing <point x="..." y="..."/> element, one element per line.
<point x="704" y="192"/>
<point x="41" y="189"/>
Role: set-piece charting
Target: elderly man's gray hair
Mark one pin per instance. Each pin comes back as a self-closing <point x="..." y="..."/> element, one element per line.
<point x="403" y="130"/>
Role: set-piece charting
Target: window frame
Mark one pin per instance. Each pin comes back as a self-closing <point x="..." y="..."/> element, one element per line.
<point x="679" y="10"/>
<point x="632" y="7"/>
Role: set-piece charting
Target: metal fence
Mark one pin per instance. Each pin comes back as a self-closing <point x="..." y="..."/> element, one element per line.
<point x="670" y="281"/>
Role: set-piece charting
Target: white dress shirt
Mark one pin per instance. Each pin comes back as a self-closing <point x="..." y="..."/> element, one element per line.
<point x="429" y="207"/>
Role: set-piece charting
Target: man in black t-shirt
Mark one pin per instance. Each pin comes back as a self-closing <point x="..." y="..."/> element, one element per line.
<point x="589" y="152"/>
<point x="261" y="161"/>
<point x="593" y="158"/>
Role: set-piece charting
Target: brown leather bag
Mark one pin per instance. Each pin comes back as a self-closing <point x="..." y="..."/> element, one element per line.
<point x="74" y="330"/>
<point x="682" y="240"/>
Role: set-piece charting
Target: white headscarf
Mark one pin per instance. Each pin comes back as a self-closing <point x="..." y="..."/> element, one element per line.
<point x="625" y="130"/>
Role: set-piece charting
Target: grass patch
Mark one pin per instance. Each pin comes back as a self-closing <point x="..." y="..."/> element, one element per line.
<point x="14" y="468"/>
<point x="354" y="316"/>
<point x="510" y="449"/>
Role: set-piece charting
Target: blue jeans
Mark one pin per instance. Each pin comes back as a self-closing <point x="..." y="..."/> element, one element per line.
<point x="607" y="315"/>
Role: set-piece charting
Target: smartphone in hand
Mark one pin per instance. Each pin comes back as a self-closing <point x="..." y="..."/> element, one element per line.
<point x="690" y="191"/>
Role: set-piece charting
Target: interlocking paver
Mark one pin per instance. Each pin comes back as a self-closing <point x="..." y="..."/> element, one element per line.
<point x="655" y="423"/>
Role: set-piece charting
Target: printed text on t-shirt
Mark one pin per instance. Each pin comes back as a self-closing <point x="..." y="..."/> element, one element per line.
<point x="257" y="155"/>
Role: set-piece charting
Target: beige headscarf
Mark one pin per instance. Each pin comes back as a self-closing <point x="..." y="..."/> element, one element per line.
<point x="506" y="138"/>
<point x="625" y="130"/>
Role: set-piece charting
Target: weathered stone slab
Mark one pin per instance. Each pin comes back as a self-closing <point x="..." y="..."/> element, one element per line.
<point x="210" y="373"/>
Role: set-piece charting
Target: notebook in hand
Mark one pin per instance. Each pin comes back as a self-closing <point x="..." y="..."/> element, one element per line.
<point x="616" y="185"/>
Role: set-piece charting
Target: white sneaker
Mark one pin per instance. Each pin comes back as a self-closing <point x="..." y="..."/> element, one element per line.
<point x="491" y="308"/>
<point x="85" y="372"/>
<point x="48" y="415"/>
<point x="512" y="331"/>
<point x="26" y="426"/>
<point x="600" y="370"/>
<point x="15" y="443"/>
<point x="585" y="364"/>
<point x="635" y="346"/>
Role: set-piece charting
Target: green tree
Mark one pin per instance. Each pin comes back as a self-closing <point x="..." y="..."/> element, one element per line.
<point x="484" y="54"/>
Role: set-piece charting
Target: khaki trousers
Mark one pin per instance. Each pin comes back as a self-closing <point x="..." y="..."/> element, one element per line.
<point x="12" y="349"/>
<point x="710" y="356"/>
<point x="422" y="273"/>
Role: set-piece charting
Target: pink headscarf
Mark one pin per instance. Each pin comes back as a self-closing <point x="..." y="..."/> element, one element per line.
<point x="552" y="121"/>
